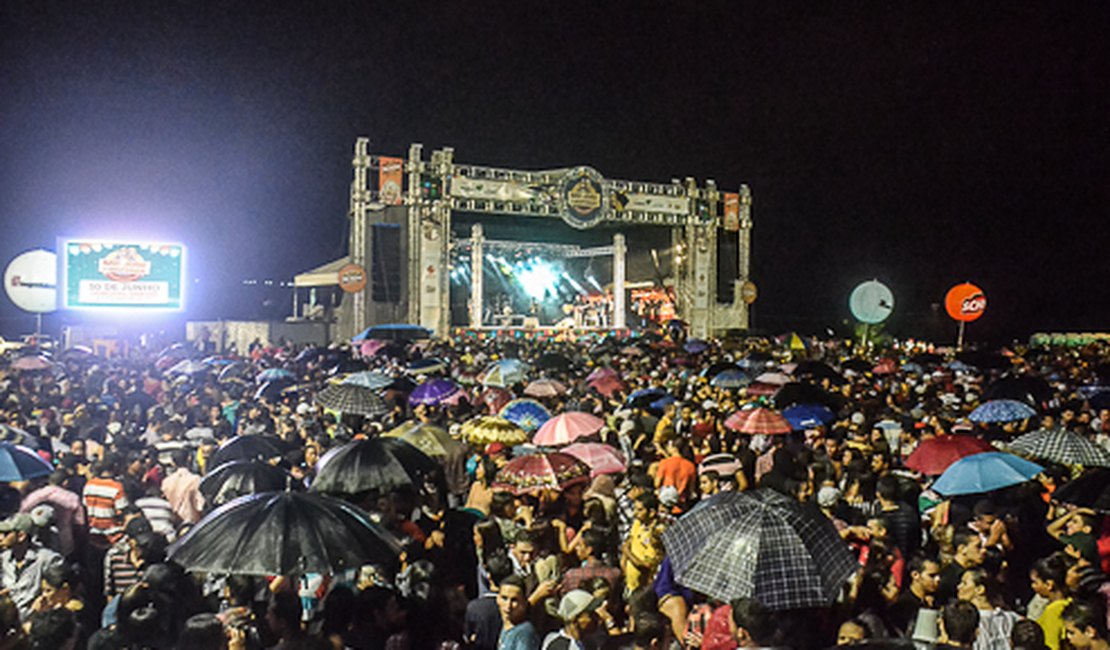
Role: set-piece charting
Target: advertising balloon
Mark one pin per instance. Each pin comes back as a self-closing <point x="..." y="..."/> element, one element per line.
<point x="965" y="302"/>
<point x="871" y="302"/>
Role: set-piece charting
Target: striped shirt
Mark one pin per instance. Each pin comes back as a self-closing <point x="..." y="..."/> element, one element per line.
<point x="104" y="500"/>
<point x="119" y="573"/>
<point x="160" y="515"/>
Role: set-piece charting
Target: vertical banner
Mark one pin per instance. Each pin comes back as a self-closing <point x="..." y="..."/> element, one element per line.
<point x="389" y="180"/>
<point x="731" y="211"/>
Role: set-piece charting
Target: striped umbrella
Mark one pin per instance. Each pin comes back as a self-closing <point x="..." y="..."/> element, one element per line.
<point x="528" y="414"/>
<point x="565" y="428"/>
<point x="758" y="420"/>
<point x="1002" y="410"/>
<point x="487" y="429"/>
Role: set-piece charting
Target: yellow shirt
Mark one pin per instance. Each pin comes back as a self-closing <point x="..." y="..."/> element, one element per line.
<point x="644" y="545"/>
<point x="1052" y="622"/>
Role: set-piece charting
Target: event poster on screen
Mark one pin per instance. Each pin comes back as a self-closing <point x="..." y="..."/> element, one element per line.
<point x="98" y="274"/>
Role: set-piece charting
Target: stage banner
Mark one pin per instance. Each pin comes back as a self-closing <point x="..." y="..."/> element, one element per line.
<point x="676" y="205"/>
<point x="732" y="211"/>
<point x="389" y="180"/>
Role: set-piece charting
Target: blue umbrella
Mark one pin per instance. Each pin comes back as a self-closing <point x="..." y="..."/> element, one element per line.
<point x="528" y="414"/>
<point x="394" y="332"/>
<point x="662" y="403"/>
<point x="18" y="463"/>
<point x="695" y="346"/>
<point x="645" y="396"/>
<point x="808" y="416"/>
<point x="274" y="374"/>
<point x="731" y="379"/>
<point x="1002" y="410"/>
<point x="432" y="391"/>
<point x="985" y="472"/>
<point x="371" y="379"/>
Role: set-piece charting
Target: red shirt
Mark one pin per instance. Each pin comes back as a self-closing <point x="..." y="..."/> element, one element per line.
<point x="677" y="471"/>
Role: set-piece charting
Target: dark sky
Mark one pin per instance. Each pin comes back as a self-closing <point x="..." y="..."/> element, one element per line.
<point x="922" y="144"/>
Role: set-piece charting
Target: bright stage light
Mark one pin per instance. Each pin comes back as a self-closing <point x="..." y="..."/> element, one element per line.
<point x="592" y="280"/>
<point x="537" y="277"/>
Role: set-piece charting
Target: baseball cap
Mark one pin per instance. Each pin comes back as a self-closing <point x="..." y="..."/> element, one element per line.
<point x="575" y="603"/>
<point x="19" y="523"/>
<point x="668" y="496"/>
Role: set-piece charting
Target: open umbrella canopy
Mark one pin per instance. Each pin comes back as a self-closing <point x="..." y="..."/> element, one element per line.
<point x="33" y="363"/>
<point x="545" y="388"/>
<point x="601" y="458"/>
<point x="372" y="379"/>
<point x="1090" y="490"/>
<point x="251" y="447"/>
<point x="806" y="393"/>
<point x="808" y="416"/>
<point x="504" y="373"/>
<point x="731" y="378"/>
<point x="818" y="370"/>
<point x="565" y="428"/>
<point x="428" y="438"/>
<point x="934" y="455"/>
<point x="1032" y="390"/>
<point x="348" y="398"/>
<point x="607" y="385"/>
<point x="763" y="545"/>
<point x="759" y="420"/>
<point x="1061" y="446"/>
<point x="188" y="367"/>
<point x="695" y="346"/>
<point x="393" y="332"/>
<point x="760" y="389"/>
<point x="553" y="361"/>
<point x="433" y="391"/>
<point x="275" y="374"/>
<point x="535" y="473"/>
<point x="1002" y="410"/>
<point x="426" y="366"/>
<point x="600" y="372"/>
<point x="643" y="397"/>
<point x="774" y="378"/>
<point x="375" y="464"/>
<point x="19" y="463"/>
<point x="495" y="398"/>
<point x="488" y="429"/>
<point x="241" y="477"/>
<point x="985" y="472"/>
<point x="285" y="534"/>
<point x="528" y="414"/>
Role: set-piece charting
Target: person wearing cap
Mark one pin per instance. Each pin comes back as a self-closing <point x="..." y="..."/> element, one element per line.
<point x="22" y="562"/>
<point x="577" y="609"/>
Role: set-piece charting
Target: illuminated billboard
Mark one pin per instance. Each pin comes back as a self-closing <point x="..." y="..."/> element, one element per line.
<point x="99" y="274"/>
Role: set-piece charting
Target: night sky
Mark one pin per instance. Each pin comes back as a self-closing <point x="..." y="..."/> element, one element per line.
<point x="922" y="144"/>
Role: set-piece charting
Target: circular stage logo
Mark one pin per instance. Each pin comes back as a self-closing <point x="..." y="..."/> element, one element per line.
<point x="582" y="197"/>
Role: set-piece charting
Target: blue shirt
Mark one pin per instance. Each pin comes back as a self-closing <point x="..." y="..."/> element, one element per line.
<point x="519" y="637"/>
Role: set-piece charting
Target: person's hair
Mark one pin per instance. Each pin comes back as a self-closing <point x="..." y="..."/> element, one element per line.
<point x="59" y="574"/>
<point x="51" y="629"/>
<point x="286" y="607"/>
<point x="1087" y="613"/>
<point x="991" y="587"/>
<point x="640" y="480"/>
<point x="514" y="581"/>
<point x="887" y="487"/>
<point x="339" y="610"/>
<point x="594" y="539"/>
<point x="490" y="532"/>
<point x="649" y="501"/>
<point x="1027" y="635"/>
<point x="984" y="507"/>
<point x="498" y="566"/>
<point x="642" y="600"/>
<point x="962" y="536"/>
<point x="1051" y="568"/>
<point x="648" y="627"/>
<point x="499" y="503"/>
<point x="917" y="564"/>
<point x="105" y="639"/>
<point x="751" y="615"/>
<point x="961" y="621"/>
<point x="490" y="468"/>
<point x="201" y="632"/>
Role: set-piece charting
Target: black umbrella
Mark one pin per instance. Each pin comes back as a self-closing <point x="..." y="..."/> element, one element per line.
<point x="1091" y="490"/>
<point x="818" y="370"/>
<point x="350" y="398"/>
<point x="1100" y="400"/>
<point x="857" y="365"/>
<point x="284" y="534"/>
<point x="1034" y="391"/>
<point x="241" y="477"/>
<point x="802" y="393"/>
<point x="554" y="361"/>
<point x="717" y="368"/>
<point x="984" y="360"/>
<point x="375" y="464"/>
<point x="249" y="447"/>
<point x="348" y="365"/>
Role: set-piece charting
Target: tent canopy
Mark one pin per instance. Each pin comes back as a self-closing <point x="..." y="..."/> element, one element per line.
<point x="326" y="275"/>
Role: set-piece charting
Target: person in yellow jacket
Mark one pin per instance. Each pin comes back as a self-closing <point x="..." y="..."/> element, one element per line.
<point x="643" y="550"/>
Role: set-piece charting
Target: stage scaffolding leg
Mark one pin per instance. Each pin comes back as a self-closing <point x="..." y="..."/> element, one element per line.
<point x="619" y="310"/>
<point x="476" y="279"/>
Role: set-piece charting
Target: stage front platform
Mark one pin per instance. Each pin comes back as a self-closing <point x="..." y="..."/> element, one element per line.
<point x="538" y="333"/>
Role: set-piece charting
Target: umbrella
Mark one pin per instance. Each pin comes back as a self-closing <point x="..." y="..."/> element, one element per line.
<point x="662" y="403"/>
<point x="717" y="368"/>
<point x="775" y="378"/>
<point x="487" y="429"/>
<point x="565" y="428"/>
<point x="985" y="472"/>
<point x="695" y="346"/>
<point x="818" y="370"/>
<point x="731" y="378"/>
<point x="250" y="447"/>
<point x="601" y="458"/>
<point x="535" y="473"/>
<point x="758" y="420"/>
<point x="428" y="438"/>
<point x="763" y="545"/>
<point x="885" y="367"/>
<point x="371" y="379"/>
<point x="19" y="463"/>
<point x="374" y="464"/>
<point x="31" y="363"/>
<point x="528" y="414"/>
<point x="188" y="367"/>
<point x="285" y="534"/>
<point x="602" y="372"/>
<point x="17" y="436"/>
<point x="607" y="385"/>
<point x="347" y="398"/>
<point x="1002" y="410"/>
<point x="495" y="398"/>
<point x="1100" y="400"/>
<point x="236" y="370"/>
<point x="553" y="361"/>
<point x="803" y="393"/>
<point x="240" y="477"/>
<point x="504" y="373"/>
<point x="632" y="351"/>
<point x="426" y="366"/>
<point x="934" y="455"/>
<point x="434" y="391"/>
<point x="643" y="397"/>
<point x="1061" y="446"/>
<point x="545" y="388"/>
<point x="394" y="332"/>
<point x="1031" y="390"/>
<point x="1090" y="490"/>
<point x="275" y="374"/>
<point x="760" y="389"/>
<point x="808" y="416"/>
<point x="271" y="391"/>
<point x="755" y="360"/>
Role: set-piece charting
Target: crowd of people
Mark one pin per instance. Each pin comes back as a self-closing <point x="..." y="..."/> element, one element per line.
<point x="87" y="557"/>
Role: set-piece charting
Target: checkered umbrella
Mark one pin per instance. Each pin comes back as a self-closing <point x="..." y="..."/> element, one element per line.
<point x="758" y="421"/>
<point x="1061" y="446"/>
<point x="1002" y="410"/>
<point x="488" y="429"/>
<point x="763" y="545"/>
<point x="535" y="473"/>
<point x="349" y="398"/>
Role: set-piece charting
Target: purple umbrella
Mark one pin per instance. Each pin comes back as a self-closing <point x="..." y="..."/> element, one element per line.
<point x="432" y="391"/>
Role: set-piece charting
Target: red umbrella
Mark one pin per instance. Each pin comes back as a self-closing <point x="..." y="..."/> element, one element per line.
<point x="496" y="398"/>
<point x="885" y="367"/>
<point x="607" y="385"/>
<point x="760" y="389"/>
<point x="758" y="420"/>
<point x="601" y="458"/>
<point x="603" y="371"/>
<point x="538" y="472"/>
<point x="565" y="428"/>
<point x="934" y="455"/>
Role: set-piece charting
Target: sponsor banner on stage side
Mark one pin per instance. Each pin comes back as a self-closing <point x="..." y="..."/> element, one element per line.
<point x="484" y="189"/>
<point x="731" y="211"/>
<point x="654" y="203"/>
<point x="390" y="171"/>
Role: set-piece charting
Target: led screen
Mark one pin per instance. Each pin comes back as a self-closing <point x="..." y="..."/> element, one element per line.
<point x="100" y="274"/>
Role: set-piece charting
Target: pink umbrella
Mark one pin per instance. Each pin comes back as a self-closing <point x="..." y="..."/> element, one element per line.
<point x="758" y="421"/>
<point x="370" y="347"/>
<point x="545" y="388"/>
<point x="607" y="385"/>
<point x="603" y="371"/>
<point x="565" y="428"/>
<point x="31" y="363"/>
<point x="601" y="458"/>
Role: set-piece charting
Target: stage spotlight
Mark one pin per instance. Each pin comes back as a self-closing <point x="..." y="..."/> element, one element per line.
<point x="537" y="278"/>
<point x="593" y="281"/>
